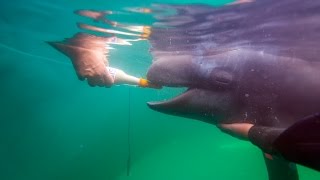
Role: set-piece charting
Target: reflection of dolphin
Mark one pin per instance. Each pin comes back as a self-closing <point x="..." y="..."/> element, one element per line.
<point x="255" y="62"/>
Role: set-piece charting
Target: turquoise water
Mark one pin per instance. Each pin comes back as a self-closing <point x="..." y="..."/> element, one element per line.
<point x="54" y="126"/>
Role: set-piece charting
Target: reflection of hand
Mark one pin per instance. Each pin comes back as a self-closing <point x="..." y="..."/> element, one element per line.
<point x="239" y="130"/>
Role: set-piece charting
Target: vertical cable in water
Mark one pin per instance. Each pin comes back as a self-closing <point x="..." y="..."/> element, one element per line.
<point x="128" y="133"/>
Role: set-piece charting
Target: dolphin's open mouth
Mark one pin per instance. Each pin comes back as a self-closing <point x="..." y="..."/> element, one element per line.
<point x="174" y="100"/>
<point x="196" y="103"/>
<point x="179" y="104"/>
<point x="206" y="97"/>
<point x="201" y="83"/>
<point x="166" y="73"/>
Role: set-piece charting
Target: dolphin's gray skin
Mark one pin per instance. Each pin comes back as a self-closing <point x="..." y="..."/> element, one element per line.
<point x="254" y="62"/>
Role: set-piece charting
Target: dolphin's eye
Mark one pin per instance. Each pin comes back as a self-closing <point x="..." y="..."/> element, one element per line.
<point x="221" y="76"/>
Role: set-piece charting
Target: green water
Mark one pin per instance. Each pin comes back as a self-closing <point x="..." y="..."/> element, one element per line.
<point x="55" y="127"/>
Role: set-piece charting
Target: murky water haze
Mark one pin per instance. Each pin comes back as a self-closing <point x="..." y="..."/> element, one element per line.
<point x="53" y="126"/>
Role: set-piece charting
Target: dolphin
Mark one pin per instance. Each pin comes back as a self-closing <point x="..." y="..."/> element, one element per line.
<point x="256" y="62"/>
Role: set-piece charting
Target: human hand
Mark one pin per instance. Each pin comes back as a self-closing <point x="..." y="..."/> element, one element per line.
<point x="88" y="56"/>
<point x="239" y="130"/>
<point x="89" y="65"/>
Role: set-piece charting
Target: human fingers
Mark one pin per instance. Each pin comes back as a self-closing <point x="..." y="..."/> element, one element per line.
<point x="239" y="130"/>
<point x="107" y="80"/>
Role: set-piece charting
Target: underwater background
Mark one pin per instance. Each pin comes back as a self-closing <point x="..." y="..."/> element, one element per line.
<point x="55" y="127"/>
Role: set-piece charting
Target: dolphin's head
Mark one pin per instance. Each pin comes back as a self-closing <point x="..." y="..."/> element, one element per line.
<point x="210" y="87"/>
<point x="240" y="61"/>
<point x="237" y="85"/>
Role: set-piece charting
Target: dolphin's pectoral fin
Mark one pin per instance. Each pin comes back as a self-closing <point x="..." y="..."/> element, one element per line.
<point x="279" y="169"/>
<point x="300" y="143"/>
